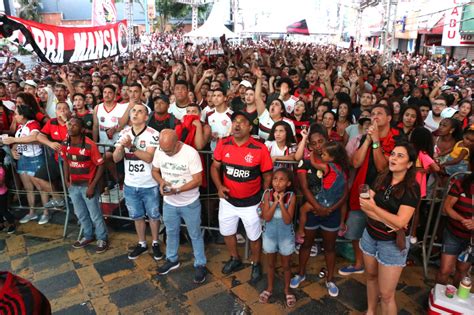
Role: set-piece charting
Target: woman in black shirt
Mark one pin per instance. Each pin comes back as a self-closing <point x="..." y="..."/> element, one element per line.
<point x="392" y="203"/>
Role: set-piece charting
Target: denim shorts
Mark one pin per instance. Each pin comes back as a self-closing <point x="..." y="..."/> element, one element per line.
<point x="387" y="253"/>
<point x="453" y="245"/>
<point x="141" y="202"/>
<point x="329" y="223"/>
<point x="30" y="164"/>
<point x="355" y="223"/>
<point x="278" y="237"/>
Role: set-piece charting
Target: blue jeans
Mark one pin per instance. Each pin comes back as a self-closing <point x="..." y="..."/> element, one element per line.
<point x="142" y="201"/>
<point x="191" y="214"/>
<point x="88" y="212"/>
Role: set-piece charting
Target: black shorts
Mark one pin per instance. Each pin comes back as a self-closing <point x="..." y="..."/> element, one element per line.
<point x="49" y="171"/>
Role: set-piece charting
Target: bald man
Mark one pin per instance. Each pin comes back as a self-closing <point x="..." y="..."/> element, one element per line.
<point x="178" y="169"/>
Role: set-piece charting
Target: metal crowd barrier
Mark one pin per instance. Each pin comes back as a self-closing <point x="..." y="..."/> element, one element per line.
<point x="58" y="188"/>
<point x="113" y="206"/>
<point x="429" y="236"/>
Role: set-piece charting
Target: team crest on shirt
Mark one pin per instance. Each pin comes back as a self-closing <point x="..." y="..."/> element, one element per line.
<point x="102" y="119"/>
<point x="89" y="123"/>
<point x="142" y="144"/>
<point x="248" y="158"/>
<point x="224" y="123"/>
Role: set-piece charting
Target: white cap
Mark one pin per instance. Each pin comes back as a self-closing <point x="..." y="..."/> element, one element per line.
<point x="246" y="83"/>
<point x="29" y="82"/>
<point x="448" y="112"/>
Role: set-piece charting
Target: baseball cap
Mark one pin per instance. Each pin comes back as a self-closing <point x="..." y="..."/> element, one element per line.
<point x="240" y="113"/>
<point x="246" y="83"/>
<point x="448" y="112"/>
<point x="29" y="82"/>
<point x="362" y="120"/>
<point x="445" y="88"/>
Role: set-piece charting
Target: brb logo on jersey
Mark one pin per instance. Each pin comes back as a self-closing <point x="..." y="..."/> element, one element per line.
<point x="234" y="172"/>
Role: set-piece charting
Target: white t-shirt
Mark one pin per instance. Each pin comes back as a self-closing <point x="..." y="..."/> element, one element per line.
<point x="179" y="170"/>
<point x="430" y="123"/>
<point x="177" y="111"/>
<point x="265" y="124"/>
<point x="220" y="124"/>
<point x="290" y="104"/>
<point x="138" y="172"/>
<point x="29" y="150"/>
<point x="204" y="113"/>
<point x="109" y="119"/>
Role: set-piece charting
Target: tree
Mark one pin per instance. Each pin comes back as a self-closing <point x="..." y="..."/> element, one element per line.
<point x="167" y="9"/>
<point x="29" y="10"/>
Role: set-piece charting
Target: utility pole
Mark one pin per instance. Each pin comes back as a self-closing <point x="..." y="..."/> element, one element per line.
<point x="388" y="32"/>
<point x="128" y="8"/>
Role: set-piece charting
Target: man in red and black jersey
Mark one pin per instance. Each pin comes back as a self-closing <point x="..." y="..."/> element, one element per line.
<point x="458" y="236"/>
<point x="247" y="168"/>
<point x="52" y="134"/>
<point x="160" y="118"/>
<point x="18" y="296"/>
<point x="83" y="168"/>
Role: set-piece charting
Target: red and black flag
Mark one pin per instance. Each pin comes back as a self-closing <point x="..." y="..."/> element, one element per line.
<point x="299" y="27"/>
<point x="63" y="45"/>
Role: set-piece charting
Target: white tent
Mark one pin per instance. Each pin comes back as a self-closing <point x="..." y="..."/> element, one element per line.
<point x="214" y="26"/>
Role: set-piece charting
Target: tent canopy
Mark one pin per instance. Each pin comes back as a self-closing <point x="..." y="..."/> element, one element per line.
<point x="214" y="26"/>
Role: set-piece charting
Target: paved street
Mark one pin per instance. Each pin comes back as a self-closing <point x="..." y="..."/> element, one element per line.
<point x="82" y="282"/>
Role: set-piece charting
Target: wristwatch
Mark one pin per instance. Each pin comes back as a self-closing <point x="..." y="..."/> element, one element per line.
<point x="375" y="145"/>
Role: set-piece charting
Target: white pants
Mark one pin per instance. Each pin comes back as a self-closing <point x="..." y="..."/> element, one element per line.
<point x="229" y="216"/>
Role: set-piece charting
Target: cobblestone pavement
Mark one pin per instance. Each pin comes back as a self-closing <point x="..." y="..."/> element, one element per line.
<point x="79" y="281"/>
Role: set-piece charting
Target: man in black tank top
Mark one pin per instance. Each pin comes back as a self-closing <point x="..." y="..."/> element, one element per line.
<point x="160" y="118"/>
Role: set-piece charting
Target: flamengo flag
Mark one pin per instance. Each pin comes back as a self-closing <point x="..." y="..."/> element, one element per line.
<point x="63" y="45"/>
<point x="298" y="28"/>
<point x="103" y="12"/>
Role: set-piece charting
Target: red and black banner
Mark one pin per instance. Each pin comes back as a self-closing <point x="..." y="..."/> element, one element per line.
<point x="299" y="27"/>
<point x="63" y="45"/>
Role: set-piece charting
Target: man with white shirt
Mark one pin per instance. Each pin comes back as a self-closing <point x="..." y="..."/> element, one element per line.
<point x="434" y="116"/>
<point x="219" y="118"/>
<point x="178" y="108"/>
<point x="178" y="169"/>
<point x="286" y="85"/>
<point x="136" y="145"/>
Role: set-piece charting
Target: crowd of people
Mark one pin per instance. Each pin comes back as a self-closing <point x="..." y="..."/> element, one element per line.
<point x="362" y="142"/>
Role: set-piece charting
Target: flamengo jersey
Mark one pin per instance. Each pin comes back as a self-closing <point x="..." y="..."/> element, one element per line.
<point x="18" y="296"/>
<point x="220" y="124"/>
<point x="25" y="130"/>
<point x="243" y="168"/>
<point x="138" y="172"/>
<point x="83" y="159"/>
<point x="109" y="119"/>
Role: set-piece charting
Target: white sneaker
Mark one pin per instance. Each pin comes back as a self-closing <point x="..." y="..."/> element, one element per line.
<point x="44" y="219"/>
<point x="240" y="239"/>
<point x="314" y="250"/>
<point x="27" y="218"/>
<point x="332" y="289"/>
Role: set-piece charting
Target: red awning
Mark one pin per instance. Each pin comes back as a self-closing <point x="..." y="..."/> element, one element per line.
<point x="436" y="29"/>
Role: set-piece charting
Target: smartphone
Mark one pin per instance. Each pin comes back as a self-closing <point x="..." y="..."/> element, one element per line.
<point x="166" y="189"/>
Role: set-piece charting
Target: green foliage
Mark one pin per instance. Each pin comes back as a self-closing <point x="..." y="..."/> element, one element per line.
<point x="29" y="10"/>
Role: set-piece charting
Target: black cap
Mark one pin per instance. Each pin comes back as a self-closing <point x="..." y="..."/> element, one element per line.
<point x="241" y="113"/>
<point x="362" y="120"/>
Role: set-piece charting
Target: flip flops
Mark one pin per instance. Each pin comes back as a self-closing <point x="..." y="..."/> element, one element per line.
<point x="264" y="296"/>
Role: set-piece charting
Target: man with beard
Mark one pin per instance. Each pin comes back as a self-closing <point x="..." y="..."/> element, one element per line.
<point x="434" y="116"/>
<point x="247" y="169"/>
